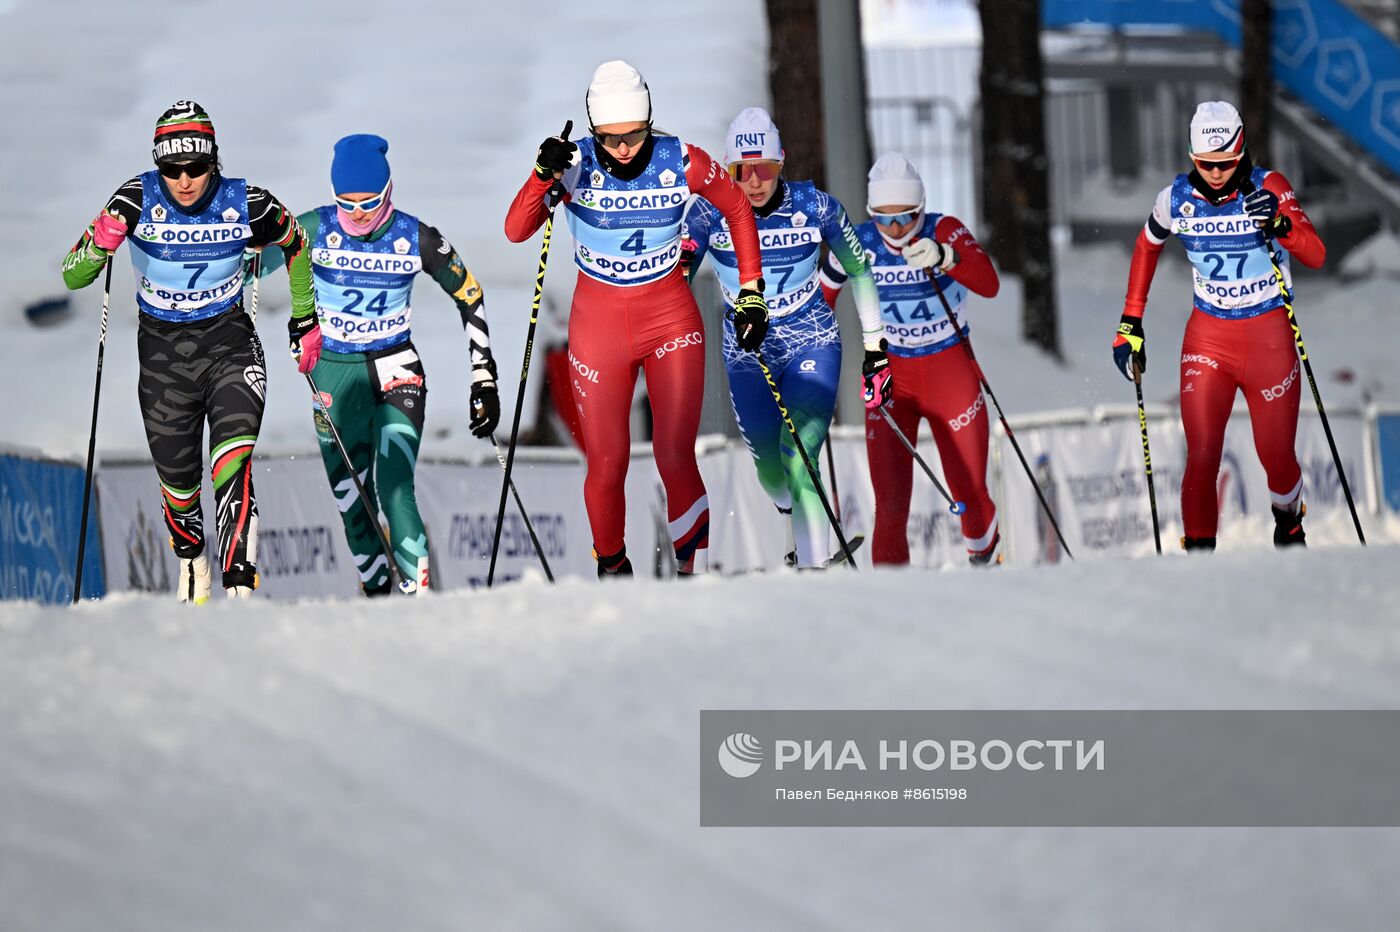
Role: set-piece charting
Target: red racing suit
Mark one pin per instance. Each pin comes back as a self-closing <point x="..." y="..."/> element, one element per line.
<point x="935" y="378"/>
<point x="617" y="328"/>
<point x="1238" y="337"/>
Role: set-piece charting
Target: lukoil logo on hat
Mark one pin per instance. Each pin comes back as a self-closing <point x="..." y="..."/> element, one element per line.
<point x="741" y="755"/>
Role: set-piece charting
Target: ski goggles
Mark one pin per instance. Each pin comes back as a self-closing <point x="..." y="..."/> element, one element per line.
<point x="762" y="169"/>
<point x="1205" y="165"/>
<point x="889" y="220"/>
<point x="173" y="170"/>
<point x="612" y="140"/>
<point x="368" y="205"/>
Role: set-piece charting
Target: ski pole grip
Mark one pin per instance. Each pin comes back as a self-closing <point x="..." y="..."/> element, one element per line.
<point x="556" y="190"/>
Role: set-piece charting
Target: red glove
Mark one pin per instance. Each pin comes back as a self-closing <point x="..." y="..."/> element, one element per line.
<point x="108" y="231"/>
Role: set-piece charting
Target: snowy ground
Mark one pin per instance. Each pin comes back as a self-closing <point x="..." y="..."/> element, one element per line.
<point x="528" y="757"/>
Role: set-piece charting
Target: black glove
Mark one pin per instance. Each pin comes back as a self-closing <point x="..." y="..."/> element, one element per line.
<point x="555" y="155"/>
<point x="486" y="409"/>
<point x="750" y="320"/>
<point x="1130" y="345"/>
<point x="875" y="373"/>
<point x="1261" y="205"/>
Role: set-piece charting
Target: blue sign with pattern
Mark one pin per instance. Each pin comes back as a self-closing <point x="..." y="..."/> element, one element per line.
<point x="1334" y="60"/>
<point x="41" y="506"/>
<point x="1388" y="449"/>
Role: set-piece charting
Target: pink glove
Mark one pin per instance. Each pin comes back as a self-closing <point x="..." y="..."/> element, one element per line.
<point x="108" y="231"/>
<point x="306" y="342"/>
<point x="688" y="250"/>
<point x="875" y="374"/>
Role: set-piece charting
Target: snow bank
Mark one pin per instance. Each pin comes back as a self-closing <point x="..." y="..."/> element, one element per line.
<point x="527" y="757"/>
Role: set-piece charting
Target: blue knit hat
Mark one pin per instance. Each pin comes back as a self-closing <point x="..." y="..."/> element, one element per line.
<point x="360" y="165"/>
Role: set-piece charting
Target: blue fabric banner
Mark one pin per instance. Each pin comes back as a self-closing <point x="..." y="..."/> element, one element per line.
<point x="1338" y="63"/>
<point x="41" y="506"/>
<point x="1388" y="450"/>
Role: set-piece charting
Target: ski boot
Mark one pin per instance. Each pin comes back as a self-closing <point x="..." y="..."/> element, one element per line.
<point x="374" y="592"/>
<point x="240" y="580"/>
<point x="1203" y="544"/>
<point x="1288" y="527"/>
<point x="194" y="580"/>
<point x="615" y="565"/>
<point x="988" y="557"/>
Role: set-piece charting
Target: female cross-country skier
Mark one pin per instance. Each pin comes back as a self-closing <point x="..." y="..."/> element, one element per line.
<point x="803" y="345"/>
<point x="626" y="186"/>
<point x="187" y="226"/>
<point x="1238" y="336"/>
<point x="365" y="254"/>
<point x="934" y="376"/>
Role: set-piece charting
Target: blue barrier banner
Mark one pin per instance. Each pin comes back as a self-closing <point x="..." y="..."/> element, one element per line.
<point x="1333" y="59"/>
<point x="1388" y="447"/>
<point x="41" y="506"/>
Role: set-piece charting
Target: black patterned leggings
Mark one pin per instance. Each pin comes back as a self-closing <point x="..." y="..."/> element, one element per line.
<point x="192" y="372"/>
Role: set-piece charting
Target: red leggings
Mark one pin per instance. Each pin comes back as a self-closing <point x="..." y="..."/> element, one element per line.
<point x="614" y="331"/>
<point x="945" y="389"/>
<point x="1219" y="356"/>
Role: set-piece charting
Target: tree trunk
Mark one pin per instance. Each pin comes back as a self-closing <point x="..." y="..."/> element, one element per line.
<point x="795" y="82"/>
<point x="1256" y="81"/>
<point x="999" y="233"/>
<point x="1016" y="181"/>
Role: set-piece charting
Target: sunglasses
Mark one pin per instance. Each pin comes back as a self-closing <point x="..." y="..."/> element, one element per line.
<point x="173" y="170"/>
<point x="1223" y="164"/>
<point x="889" y="220"/>
<point x="613" y="140"/>
<point x="368" y="205"/>
<point x="761" y="169"/>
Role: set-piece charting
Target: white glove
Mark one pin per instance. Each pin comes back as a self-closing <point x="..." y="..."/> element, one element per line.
<point x="929" y="253"/>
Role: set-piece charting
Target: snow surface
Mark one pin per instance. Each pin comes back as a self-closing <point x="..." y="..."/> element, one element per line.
<point x="527" y="758"/>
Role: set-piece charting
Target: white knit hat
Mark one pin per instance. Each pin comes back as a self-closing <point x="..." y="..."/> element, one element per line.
<point x="752" y="135"/>
<point x="1216" y="127"/>
<point x="894" y="182"/>
<point x="617" y="94"/>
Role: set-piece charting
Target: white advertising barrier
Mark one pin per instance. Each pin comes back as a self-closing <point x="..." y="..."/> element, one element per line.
<point x="746" y="532"/>
<point x="301" y="550"/>
<point x="1091" y="471"/>
<point x="301" y="542"/>
<point x="934" y="532"/>
<point x="458" y="503"/>
<point x="1093" y="477"/>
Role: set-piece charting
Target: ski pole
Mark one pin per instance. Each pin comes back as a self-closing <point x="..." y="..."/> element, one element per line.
<point x="371" y="509"/>
<point x="1147" y="457"/>
<point x="806" y="461"/>
<point x="554" y="195"/>
<point x="534" y="539"/>
<point x="92" y="435"/>
<point x="831" y="468"/>
<point x="1010" y="435"/>
<point x="257" y="269"/>
<point x="1284" y="292"/>
<point x="955" y="507"/>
